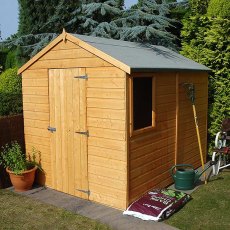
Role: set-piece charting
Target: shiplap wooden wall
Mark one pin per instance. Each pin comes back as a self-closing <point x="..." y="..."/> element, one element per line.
<point x="188" y="149"/>
<point x="36" y="117"/>
<point x="106" y="119"/>
<point x="152" y="154"/>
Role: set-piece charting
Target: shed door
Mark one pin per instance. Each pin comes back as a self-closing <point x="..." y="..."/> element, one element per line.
<point x="67" y="95"/>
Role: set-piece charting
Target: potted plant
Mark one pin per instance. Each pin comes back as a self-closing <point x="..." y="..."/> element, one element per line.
<point x="20" y="168"/>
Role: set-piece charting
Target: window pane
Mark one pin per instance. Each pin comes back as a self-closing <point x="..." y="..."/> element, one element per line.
<point x="142" y="102"/>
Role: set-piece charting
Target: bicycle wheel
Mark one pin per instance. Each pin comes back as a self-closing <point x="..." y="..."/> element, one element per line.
<point x="216" y="167"/>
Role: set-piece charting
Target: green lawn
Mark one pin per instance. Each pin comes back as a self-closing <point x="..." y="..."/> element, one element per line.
<point x="209" y="208"/>
<point x="19" y="212"/>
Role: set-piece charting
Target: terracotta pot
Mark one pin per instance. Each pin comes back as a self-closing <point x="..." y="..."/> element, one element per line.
<point x="24" y="181"/>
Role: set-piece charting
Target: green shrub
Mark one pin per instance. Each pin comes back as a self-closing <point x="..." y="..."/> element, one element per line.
<point x="3" y="54"/>
<point x="219" y="8"/>
<point x="11" y="61"/>
<point x="10" y="93"/>
<point x="206" y="40"/>
<point x="198" y="6"/>
<point x="12" y="156"/>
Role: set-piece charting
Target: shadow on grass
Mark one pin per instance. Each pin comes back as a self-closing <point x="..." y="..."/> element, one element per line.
<point x="215" y="179"/>
<point x="210" y="203"/>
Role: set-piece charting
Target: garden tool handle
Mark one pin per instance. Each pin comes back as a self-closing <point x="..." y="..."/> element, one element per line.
<point x="180" y="165"/>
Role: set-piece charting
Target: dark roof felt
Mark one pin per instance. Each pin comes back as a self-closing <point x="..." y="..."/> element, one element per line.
<point x="141" y="57"/>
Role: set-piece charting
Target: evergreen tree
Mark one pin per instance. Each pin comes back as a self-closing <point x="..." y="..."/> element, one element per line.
<point x="199" y="6"/>
<point x="98" y="17"/>
<point x="219" y="8"/>
<point x="28" y="45"/>
<point x="206" y="40"/>
<point x="33" y="14"/>
<point x="67" y="15"/>
<point x="178" y="11"/>
<point x="40" y="22"/>
<point x="120" y="4"/>
<point x="147" y="22"/>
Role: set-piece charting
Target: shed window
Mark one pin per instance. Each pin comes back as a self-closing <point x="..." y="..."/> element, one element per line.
<point x="143" y="101"/>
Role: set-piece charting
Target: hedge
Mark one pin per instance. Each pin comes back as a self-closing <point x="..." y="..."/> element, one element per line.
<point x="219" y="8"/>
<point x="10" y="93"/>
<point x="206" y="40"/>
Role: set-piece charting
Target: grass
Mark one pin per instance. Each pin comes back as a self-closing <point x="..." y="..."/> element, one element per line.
<point x="209" y="208"/>
<point x="19" y="212"/>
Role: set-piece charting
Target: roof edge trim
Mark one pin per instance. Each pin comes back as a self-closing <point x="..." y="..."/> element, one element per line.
<point x="143" y="70"/>
<point x="66" y="36"/>
<point x="99" y="53"/>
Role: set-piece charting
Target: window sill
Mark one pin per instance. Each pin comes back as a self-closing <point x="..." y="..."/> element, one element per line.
<point x="141" y="131"/>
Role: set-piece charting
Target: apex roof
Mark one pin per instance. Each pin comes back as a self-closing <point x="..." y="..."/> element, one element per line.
<point x="129" y="56"/>
<point x="142" y="57"/>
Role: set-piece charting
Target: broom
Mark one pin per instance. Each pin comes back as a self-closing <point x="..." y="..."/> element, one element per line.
<point x="190" y="89"/>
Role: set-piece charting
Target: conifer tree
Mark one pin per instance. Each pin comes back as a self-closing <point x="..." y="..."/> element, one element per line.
<point x="178" y="11"/>
<point x="206" y="40"/>
<point x="120" y="4"/>
<point x="41" y="21"/>
<point x="98" y="17"/>
<point x="33" y="14"/>
<point x="199" y="6"/>
<point x="67" y="15"/>
<point x="147" y="22"/>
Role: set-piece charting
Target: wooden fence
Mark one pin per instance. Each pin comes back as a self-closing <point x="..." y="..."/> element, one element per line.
<point x="11" y="129"/>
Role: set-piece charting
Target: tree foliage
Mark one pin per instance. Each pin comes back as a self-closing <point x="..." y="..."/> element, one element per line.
<point x="34" y="14"/>
<point x="32" y="35"/>
<point x="147" y="21"/>
<point x="219" y="8"/>
<point x="120" y="4"/>
<point x="41" y="21"/>
<point x="98" y="18"/>
<point x="3" y="56"/>
<point x="11" y="59"/>
<point x="198" y="6"/>
<point x="178" y="11"/>
<point x="10" y="93"/>
<point x="67" y="15"/>
<point x="206" y="40"/>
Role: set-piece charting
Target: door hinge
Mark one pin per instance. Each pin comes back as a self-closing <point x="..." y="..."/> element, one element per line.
<point x="83" y="133"/>
<point x="84" y="191"/>
<point x="51" y="129"/>
<point x="82" y="77"/>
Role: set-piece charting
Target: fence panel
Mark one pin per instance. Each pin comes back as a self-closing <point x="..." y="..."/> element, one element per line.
<point x="11" y="128"/>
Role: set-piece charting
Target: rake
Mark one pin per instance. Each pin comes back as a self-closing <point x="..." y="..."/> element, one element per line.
<point x="190" y="90"/>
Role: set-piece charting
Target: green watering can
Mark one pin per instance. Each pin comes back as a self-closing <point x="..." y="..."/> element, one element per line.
<point x="185" y="177"/>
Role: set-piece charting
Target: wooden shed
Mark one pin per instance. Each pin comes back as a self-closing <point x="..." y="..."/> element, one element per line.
<point x="111" y="117"/>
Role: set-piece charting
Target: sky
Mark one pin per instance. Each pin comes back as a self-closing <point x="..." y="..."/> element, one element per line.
<point x="9" y="16"/>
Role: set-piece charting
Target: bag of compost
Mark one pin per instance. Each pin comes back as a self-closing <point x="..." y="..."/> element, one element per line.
<point x="157" y="204"/>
